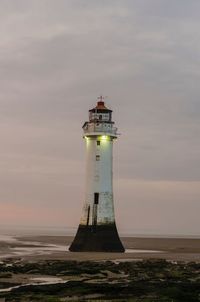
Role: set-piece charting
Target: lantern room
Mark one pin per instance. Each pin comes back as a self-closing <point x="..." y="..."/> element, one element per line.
<point x="100" y="113"/>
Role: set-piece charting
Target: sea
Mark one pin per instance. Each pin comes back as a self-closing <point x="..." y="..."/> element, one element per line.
<point x="25" y="230"/>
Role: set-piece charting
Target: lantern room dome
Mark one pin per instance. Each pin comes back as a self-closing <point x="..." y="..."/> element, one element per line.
<point x="100" y="107"/>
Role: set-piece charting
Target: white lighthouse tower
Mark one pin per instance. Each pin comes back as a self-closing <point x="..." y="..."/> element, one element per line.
<point x="97" y="229"/>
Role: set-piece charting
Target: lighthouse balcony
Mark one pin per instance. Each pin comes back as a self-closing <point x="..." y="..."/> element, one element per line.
<point x="91" y="129"/>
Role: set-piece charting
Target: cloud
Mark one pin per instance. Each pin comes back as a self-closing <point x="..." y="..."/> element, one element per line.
<point x="57" y="57"/>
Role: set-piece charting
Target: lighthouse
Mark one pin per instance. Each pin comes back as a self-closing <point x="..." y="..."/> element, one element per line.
<point x="97" y="230"/>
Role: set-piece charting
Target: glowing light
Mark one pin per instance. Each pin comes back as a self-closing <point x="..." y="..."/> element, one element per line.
<point x="104" y="137"/>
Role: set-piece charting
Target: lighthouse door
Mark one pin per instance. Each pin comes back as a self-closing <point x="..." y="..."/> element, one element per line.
<point x="95" y="206"/>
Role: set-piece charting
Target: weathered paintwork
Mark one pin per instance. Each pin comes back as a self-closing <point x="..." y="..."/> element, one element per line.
<point x="99" y="179"/>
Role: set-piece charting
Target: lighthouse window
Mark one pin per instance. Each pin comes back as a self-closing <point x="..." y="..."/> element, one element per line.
<point x="100" y="117"/>
<point x="97" y="157"/>
<point x="98" y="143"/>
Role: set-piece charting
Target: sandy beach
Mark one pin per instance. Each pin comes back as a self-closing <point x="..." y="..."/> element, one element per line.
<point x="56" y="247"/>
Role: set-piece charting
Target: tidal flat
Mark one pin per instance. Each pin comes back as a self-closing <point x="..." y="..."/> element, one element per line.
<point x="40" y="268"/>
<point x="61" y="280"/>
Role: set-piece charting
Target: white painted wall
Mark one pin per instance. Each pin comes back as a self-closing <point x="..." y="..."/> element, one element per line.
<point x="99" y="178"/>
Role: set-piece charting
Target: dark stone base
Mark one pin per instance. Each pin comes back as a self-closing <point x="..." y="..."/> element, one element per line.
<point x="102" y="238"/>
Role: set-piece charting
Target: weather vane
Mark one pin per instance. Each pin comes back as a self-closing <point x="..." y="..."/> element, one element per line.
<point x="101" y="98"/>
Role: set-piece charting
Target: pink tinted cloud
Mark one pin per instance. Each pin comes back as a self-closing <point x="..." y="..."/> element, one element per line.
<point x="11" y="214"/>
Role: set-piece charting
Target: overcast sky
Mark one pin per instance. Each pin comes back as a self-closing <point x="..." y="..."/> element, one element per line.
<point x="56" y="58"/>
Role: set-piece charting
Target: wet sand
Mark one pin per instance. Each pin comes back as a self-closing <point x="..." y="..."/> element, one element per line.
<point x="35" y="265"/>
<point x="177" y="249"/>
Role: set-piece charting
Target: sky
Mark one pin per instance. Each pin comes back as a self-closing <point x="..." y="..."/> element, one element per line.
<point x="56" y="58"/>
